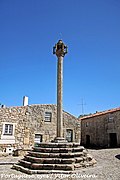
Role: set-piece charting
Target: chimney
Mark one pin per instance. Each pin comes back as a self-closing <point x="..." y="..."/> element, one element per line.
<point x="25" y="101"/>
<point x="3" y="106"/>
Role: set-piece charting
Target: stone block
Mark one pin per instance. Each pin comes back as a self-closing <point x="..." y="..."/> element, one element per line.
<point x="69" y="167"/>
<point x="48" y="166"/>
<point x="51" y="161"/>
<point x="77" y="165"/>
<point x="78" y="149"/>
<point x="55" y="150"/>
<point x="68" y="161"/>
<point x="36" y="166"/>
<point x="66" y="155"/>
<point x="79" y="159"/>
<point x="89" y="157"/>
<point x="54" y="155"/>
<point x="84" y="158"/>
<point x="93" y="161"/>
<point x="64" y="167"/>
<point x="85" y="151"/>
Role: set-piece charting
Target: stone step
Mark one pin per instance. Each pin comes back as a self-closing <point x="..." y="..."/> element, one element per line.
<point x="47" y="169"/>
<point x="23" y="169"/>
<point x="57" y="150"/>
<point x="49" y="160"/>
<point x="24" y="163"/>
<point x="71" y="155"/>
<point x="40" y="155"/>
<point x="55" y="155"/>
<point x="30" y="171"/>
<point x="40" y="166"/>
<point x="59" y="145"/>
<point x="52" y="150"/>
<point x="65" y="167"/>
<point x="7" y="163"/>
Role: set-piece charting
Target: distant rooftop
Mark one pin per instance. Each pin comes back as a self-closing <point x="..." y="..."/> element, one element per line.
<point x="100" y="113"/>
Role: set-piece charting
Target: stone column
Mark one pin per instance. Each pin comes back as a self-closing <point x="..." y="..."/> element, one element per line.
<point x="60" y="50"/>
<point x="59" y="97"/>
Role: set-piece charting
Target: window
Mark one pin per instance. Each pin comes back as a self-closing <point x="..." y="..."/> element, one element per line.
<point x="110" y="117"/>
<point x="8" y="129"/>
<point x="48" y="116"/>
<point x="8" y="133"/>
<point x="87" y="124"/>
<point x="38" y="139"/>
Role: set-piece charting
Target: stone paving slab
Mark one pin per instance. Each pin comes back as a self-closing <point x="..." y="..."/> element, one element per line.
<point x="9" y="160"/>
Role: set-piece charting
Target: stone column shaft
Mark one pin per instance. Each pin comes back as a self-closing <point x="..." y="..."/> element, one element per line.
<point x="60" y="49"/>
<point x="59" y="97"/>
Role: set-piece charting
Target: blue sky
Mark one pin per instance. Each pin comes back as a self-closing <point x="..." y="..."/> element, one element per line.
<point x="91" y="30"/>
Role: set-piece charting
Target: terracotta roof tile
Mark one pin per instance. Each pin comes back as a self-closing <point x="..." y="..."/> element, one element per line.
<point x="101" y="113"/>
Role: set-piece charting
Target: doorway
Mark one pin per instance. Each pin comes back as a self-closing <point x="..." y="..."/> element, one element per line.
<point x="113" y="140"/>
<point x="69" y="135"/>
<point x="87" y="140"/>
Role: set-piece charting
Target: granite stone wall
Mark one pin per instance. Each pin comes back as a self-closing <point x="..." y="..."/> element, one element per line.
<point x="30" y="120"/>
<point x="101" y="130"/>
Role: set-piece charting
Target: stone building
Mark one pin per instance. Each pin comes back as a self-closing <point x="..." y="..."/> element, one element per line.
<point x="101" y="129"/>
<point x="25" y="126"/>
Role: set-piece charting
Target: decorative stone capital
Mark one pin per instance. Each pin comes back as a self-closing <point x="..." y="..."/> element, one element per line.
<point x="60" y="49"/>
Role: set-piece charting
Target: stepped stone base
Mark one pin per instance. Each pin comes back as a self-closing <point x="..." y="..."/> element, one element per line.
<point x="55" y="158"/>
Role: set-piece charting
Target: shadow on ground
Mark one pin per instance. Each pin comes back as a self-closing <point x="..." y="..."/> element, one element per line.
<point x="118" y="156"/>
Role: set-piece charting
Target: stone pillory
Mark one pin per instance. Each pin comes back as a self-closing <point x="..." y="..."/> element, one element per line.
<point x="59" y="156"/>
<point x="60" y="49"/>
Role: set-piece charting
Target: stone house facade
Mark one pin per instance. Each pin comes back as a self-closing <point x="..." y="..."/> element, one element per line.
<point x="25" y="126"/>
<point x="101" y="129"/>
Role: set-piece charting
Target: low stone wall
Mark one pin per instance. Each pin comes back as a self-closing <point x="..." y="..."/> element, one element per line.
<point x="21" y="152"/>
<point x="4" y="154"/>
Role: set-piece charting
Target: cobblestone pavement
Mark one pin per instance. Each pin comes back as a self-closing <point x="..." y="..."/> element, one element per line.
<point x="107" y="168"/>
